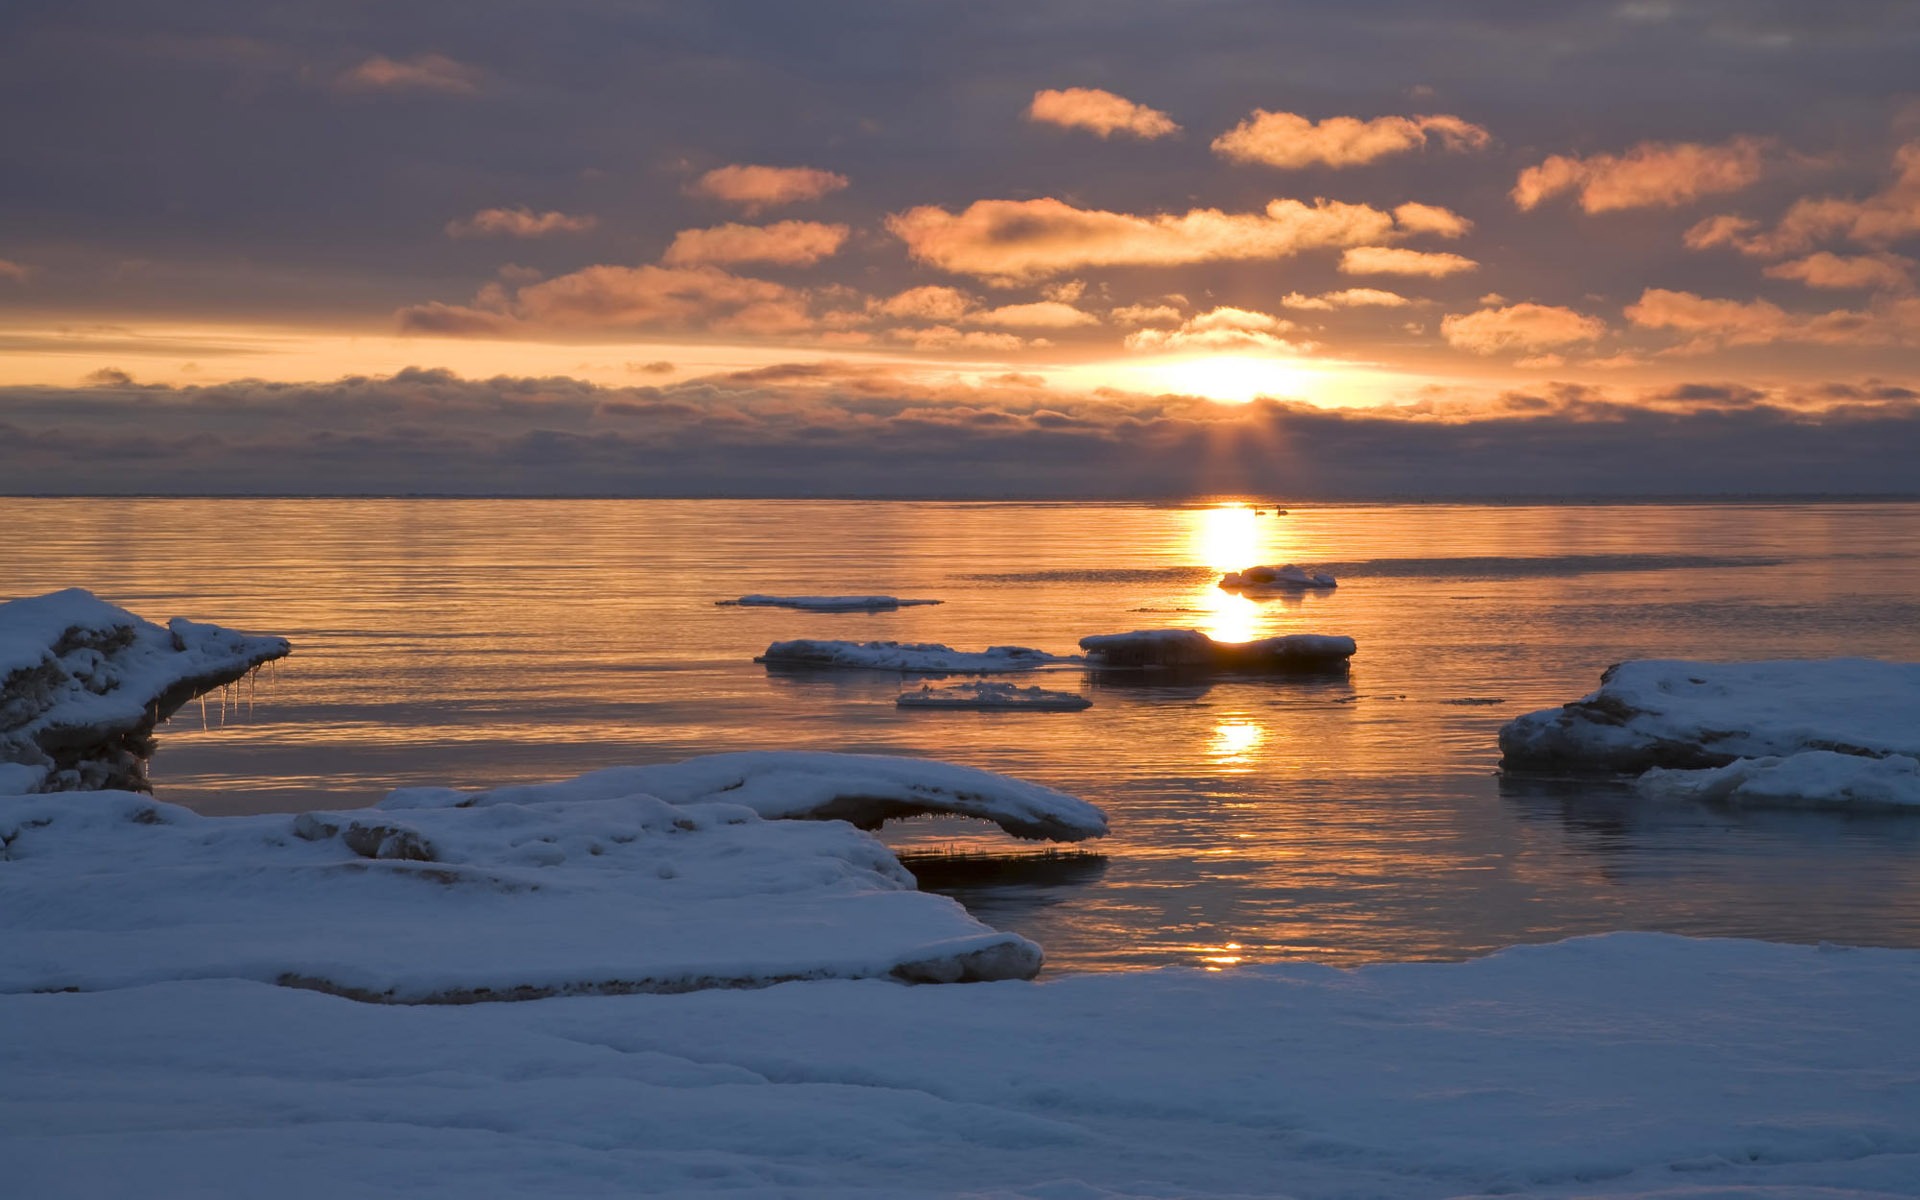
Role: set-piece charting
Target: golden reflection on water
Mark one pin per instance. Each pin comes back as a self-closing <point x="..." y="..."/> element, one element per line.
<point x="1234" y="742"/>
<point x="1231" y="538"/>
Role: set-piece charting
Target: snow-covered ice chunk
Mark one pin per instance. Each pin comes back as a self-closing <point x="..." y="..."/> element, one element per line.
<point x="1622" y="1067"/>
<point x="1676" y="713"/>
<point x="1289" y="577"/>
<point x="993" y="695"/>
<point x="864" y="789"/>
<point x="84" y="682"/>
<point x="917" y="658"/>
<point x="649" y="879"/>
<point x="1809" y="779"/>
<point x="1191" y="650"/>
<point x="826" y="603"/>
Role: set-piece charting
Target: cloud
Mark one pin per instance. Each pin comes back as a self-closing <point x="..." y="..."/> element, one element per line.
<point x="1881" y="272"/>
<point x="946" y="337"/>
<point x="455" y="320"/>
<point x="756" y="188"/>
<point x="612" y="298"/>
<point x="421" y="73"/>
<point x="1100" y="112"/>
<point x="1345" y="298"/>
<point x="1431" y="218"/>
<point x="1045" y="314"/>
<point x="16" y="272"/>
<point x="1649" y="175"/>
<point x="1220" y="329"/>
<point x="1524" y="327"/>
<point x="1385" y="260"/>
<point x="518" y="222"/>
<point x="1282" y="139"/>
<point x="1879" y="220"/>
<point x="1013" y="241"/>
<point x="786" y="243"/>
<point x="926" y="304"/>
<point x="1146" y="314"/>
<point x="1710" y="324"/>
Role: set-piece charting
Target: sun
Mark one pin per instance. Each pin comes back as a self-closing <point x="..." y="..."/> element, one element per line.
<point x="1230" y="378"/>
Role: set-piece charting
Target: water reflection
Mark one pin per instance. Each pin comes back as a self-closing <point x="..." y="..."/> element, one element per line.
<point x="1234" y="742"/>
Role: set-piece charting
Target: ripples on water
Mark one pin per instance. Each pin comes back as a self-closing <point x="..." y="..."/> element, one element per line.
<point x="486" y="642"/>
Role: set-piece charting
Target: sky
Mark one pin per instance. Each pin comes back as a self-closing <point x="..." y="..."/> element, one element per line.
<point x="1040" y="248"/>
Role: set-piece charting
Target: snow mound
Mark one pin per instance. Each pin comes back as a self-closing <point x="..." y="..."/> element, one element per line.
<point x="1191" y="650"/>
<point x="825" y="603"/>
<point x="862" y="789"/>
<point x="1691" y="715"/>
<point x="924" y="658"/>
<point x="659" y="879"/>
<point x="1810" y="779"/>
<point x="84" y="682"/>
<point x="1289" y="577"/>
<point x="993" y="695"/>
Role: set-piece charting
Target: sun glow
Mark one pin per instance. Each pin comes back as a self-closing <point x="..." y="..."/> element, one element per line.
<point x="1232" y="378"/>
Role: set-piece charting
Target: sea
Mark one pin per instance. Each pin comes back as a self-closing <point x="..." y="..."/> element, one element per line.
<point x="479" y="642"/>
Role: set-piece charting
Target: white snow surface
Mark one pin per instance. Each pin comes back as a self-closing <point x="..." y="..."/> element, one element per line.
<point x="1810" y="779"/>
<point x="1676" y="713"/>
<point x="78" y="675"/>
<point x="826" y="603"/>
<point x="1630" y="1065"/>
<point x="914" y="658"/>
<point x="995" y="696"/>
<point x="582" y="887"/>
<point x="1288" y="577"/>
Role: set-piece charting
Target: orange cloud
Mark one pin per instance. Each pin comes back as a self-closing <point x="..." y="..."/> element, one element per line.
<point x="1044" y="314"/>
<point x="518" y="222"/>
<point x="1650" y="175"/>
<point x="1282" y="139"/>
<point x="946" y="337"/>
<point x="1146" y="314"/>
<point x="1099" y="112"/>
<point x="1220" y="329"/>
<point x="1387" y="260"/>
<point x="1346" y="298"/>
<point x="787" y="243"/>
<point x="1014" y="241"/>
<point x="1882" y="272"/>
<point x="1431" y="218"/>
<point x="17" y="272"/>
<point x="1887" y="216"/>
<point x="1526" y="327"/>
<point x="1709" y="324"/>
<point x="926" y="304"/>
<point x="755" y="188"/>
<point x="421" y="73"/>
<point x="624" y="298"/>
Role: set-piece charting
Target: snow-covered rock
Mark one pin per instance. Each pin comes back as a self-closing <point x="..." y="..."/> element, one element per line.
<point x="826" y="603"/>
<point x="1676" y="713"/>
<point x="84" y="682"/>
<point x="1626" y="1066"/>
<point x="1289" y="577"/>
<point x="915" y="658"/>
<point x="993" y="695"/>
<point x="668" y="878"/>
<point x="1809" y="779"/>
<point x="1191" y="650"/>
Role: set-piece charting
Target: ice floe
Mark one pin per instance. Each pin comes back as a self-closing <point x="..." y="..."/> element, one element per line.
<point x="1630" y="1065"/>
<point x="826" y="603"/>
<point x="667" y="878"/>
<point x="84" y="682"/>
<point x="1289" y="577"/>
<point x="1676" y="713"/>
<point x="1809" y="779"/>
<point x="1191" y="650"/>
<point x="993" y="695"/>
<point x="918" y="658"/>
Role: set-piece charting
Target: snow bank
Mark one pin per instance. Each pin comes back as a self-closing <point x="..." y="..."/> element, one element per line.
<point x="1191" y="650"/>
<point x="862" y="789"/>
<point x="1810" y="779"/>
<point x="1289" y="577"/>
<point x="826" y="603"/>
<point x="1631" y="1065"/>
<point x="83" y="683"/>
<point x="993" y="695"/>
<point x="927" y="658"/>
<point x="1675" y="713"/>
<point x="668" y="878"/>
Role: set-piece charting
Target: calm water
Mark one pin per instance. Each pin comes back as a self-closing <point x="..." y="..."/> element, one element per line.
<point x="484" y="642"/>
